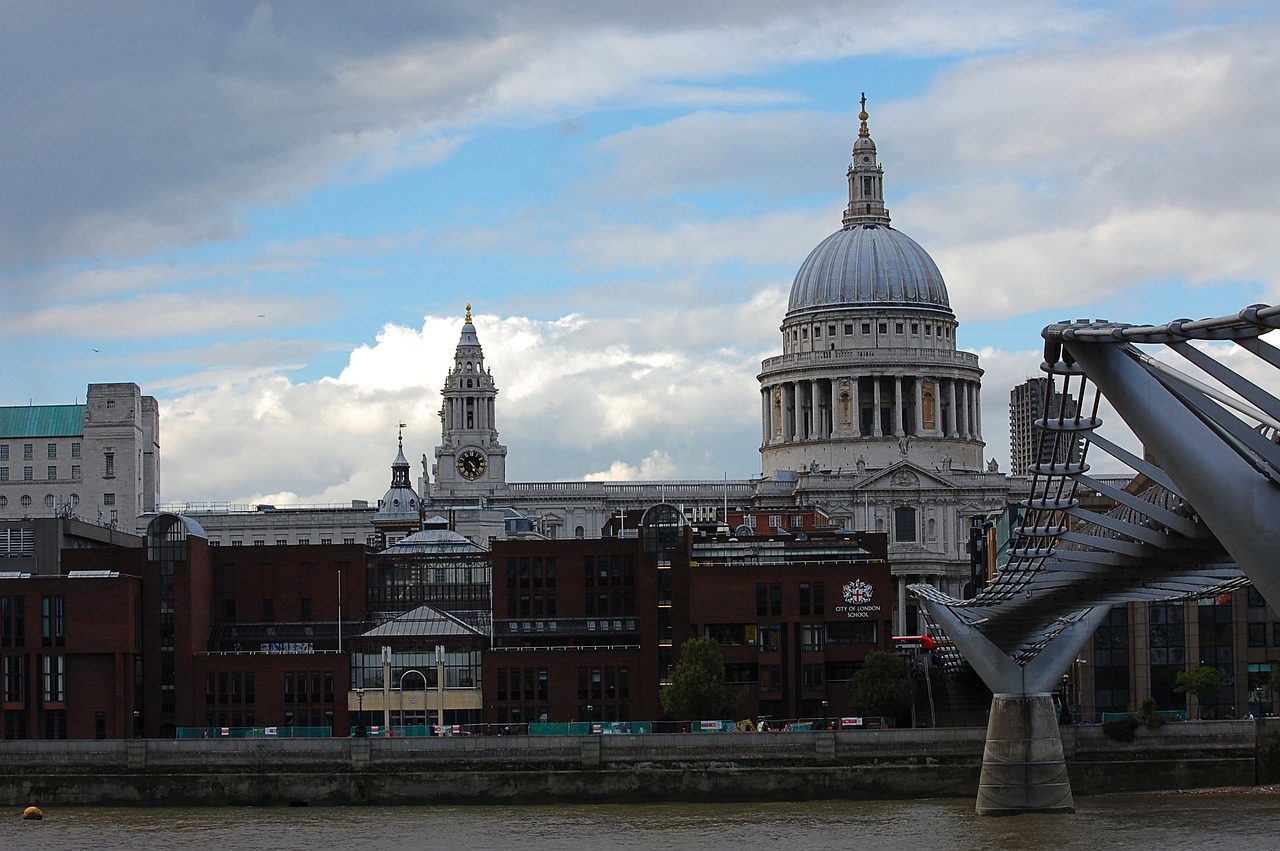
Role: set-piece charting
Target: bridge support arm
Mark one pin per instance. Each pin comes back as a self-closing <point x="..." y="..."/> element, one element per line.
<point x="1023" y="766"/>
<point x="1236" y="502"/>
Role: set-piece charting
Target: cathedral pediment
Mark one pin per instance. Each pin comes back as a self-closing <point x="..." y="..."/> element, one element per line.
<point x="905" y="476"/>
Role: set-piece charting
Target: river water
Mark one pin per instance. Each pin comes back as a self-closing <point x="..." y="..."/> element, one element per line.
<point x="1224" y="820"/>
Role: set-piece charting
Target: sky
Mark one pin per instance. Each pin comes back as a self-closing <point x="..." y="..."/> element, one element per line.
<point x="271" y="216"/>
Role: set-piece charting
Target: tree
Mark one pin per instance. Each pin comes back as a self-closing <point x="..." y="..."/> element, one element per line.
<point x="882" y="686"/>
<point x="1204" y="681"/>
<point x="698" y="690"/>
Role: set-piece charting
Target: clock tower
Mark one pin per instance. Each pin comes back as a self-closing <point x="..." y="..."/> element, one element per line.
<point x="470" y="462"/>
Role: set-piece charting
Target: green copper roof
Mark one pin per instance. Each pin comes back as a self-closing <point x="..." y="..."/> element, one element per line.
<point x="41" y="421"/>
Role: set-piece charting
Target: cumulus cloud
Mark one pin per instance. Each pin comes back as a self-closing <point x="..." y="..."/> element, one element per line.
<point x="567" y="409"/>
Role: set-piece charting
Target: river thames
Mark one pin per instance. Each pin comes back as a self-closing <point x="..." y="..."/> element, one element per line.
<point x="1176" y="821"/>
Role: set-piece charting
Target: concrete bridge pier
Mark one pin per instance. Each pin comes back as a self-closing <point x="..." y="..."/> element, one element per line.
<point x="1023" y="767"/>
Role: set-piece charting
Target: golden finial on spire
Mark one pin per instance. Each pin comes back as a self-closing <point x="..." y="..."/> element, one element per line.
<point x="400" y="435"/>
<point x="862" y="116"/>
<point x="468" y="311"/>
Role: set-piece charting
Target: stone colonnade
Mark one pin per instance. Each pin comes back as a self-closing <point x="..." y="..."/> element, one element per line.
<point x="874" y="405"/>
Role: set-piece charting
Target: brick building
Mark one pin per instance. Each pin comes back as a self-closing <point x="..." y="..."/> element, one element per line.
<point x="590" y="629"/>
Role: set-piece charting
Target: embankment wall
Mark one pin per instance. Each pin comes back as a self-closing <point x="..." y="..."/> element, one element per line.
<point x="594" y="768"/>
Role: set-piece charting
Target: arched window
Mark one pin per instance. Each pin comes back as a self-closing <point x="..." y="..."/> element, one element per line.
<point x="468" y="366"/>
<point x="579" y="532"/>
<point x="904" y="524"/>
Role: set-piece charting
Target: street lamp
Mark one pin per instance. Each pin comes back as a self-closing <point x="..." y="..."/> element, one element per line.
<point x="589" y="715"/>
<point x="825" y="704"/>
<point x="360" y="707"/>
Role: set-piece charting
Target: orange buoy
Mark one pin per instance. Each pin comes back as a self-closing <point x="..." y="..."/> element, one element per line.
<point x="32" y="814"/>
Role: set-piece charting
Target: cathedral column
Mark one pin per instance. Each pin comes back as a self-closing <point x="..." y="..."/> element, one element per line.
<point x="819" y="430"/>
<point x="899" y="409"/>
<point x="788" y="412"/>
<point x="977" y="411"/>
<point x="875" y="406"/>
<point x="919" y="394"/>
<point x="798" y="411"/>
<point x="968" y="409"/>
<point x="766" y="427"/>
<point x="953" y="427"/>
<point x="900" y="593"/>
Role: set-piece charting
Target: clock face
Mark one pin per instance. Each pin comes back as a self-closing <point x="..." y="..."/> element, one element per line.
<point x="471" y="464"/>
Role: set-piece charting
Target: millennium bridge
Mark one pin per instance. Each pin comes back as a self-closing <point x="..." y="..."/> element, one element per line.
<point x="1200" y="518"/>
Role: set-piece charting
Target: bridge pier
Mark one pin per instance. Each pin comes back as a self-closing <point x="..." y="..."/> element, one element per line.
<point x="1023" y="766"/>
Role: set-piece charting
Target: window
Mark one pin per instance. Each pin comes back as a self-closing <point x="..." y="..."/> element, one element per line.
<point x="268" y="609"/>
<point x="27" y="452"/>
<point x="882" y="327"/>
<point x="108" y="465"/>
<point x="75" y="450"/>
<point x="4" y="452"/>
<point x="53" y="451"/>
<point x="848" y="329"/>
<point x="904" y="524"/>
<point x="108" y="499"/>
<point x="811" y="678"/>
<point x="4" y="474"/>
<point x="305" y="609"/>
<point x="75" y="472"/>
<point x="53" y="621"/>
<point x="770" y="637"/>
<point x="866" y="327"/>
<point x="48" y="500"/>
<point x="1257" y="635"/>
<point x="811" y="636"/>
<point x="851" y="632"/>
<point x="52" y="472"/>
<point x="14" y="681"/>
<point x="28" y="473"/>
<point x="13" y="621"/>
<point x="817" y="332"/>
<point x="54" y="678"/>
<point x="897" y="327"/>
<point x="25" y="500"/>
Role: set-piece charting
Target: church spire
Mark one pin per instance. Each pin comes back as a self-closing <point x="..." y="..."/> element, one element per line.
<point x="866" y="179"/>
<point x="400" y="466"/>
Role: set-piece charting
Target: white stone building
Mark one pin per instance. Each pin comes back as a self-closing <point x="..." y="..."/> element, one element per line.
<point x="99" y="461"/>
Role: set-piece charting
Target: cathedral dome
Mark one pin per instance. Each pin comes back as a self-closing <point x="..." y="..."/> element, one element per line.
<point x="868" y="265"/>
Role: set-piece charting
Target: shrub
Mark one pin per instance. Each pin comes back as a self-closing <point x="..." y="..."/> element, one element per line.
<point x="1121" y="729"/>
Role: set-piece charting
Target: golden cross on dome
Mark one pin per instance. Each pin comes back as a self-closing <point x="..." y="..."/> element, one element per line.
<point x="468" y="311"/>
